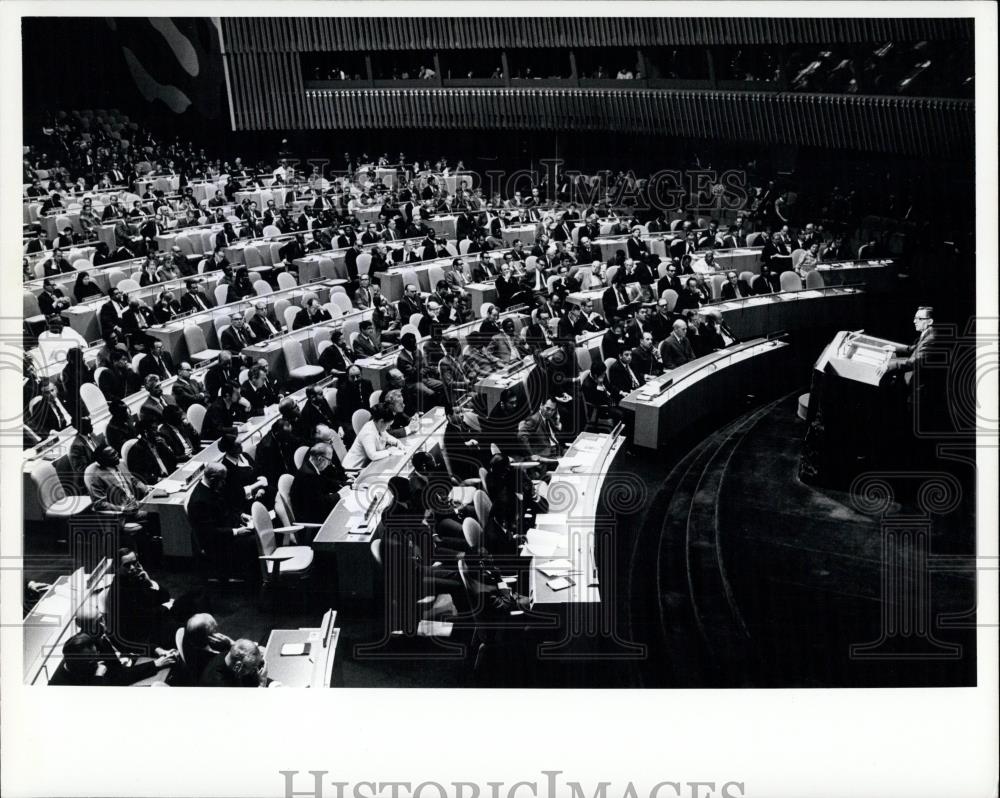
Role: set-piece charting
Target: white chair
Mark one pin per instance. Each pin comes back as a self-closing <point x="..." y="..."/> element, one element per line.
<point x="276" y="247"/>
<point x="286" y="281"/>
<point x="278" y="562"/>
<point x="221" y="291"/>
<point x="196" y="416"/>
<point x="435" y="274"/>
<point x="410" y="328"/>
<point x="253" y="259"/>
<point x="262" y="288"/>
<point x="136" y="359"/>
<point x="583" y="358"/>
<point x="485" y="309"/>
<point x="363" y="263"/>
<point x="322" y="346"/>
<point x="755" y="240"/>
<point x="299" y="456"/>
<point x="359" y="419"/>
<point x="279" y="309"/>
<point x="289" y="315"/>
<point x="115" y="276"/>
<point x="295" y="362"/>
<point x="283" y="504"/>
<point x="127" y="448"/>
<point x="375" y="398"/>
<point x="270" y="231"/>
<point x="53" y="501"/>
<point x="473" y="532"/>
<point x="747" y="277"/>
<point x="483" y="506"/>
<point x="330" y="395"/>
<point x="463" y="246"/>
<point x="127" y="285"/>
<point x="790" y="281"/>
<point x="197" y="348"/>
<point x="342" y="301"/>
<point x="814" y="279"/>
<point x="671" y="296"/>
<point x="82" y="263"/>
<point x="717" y="281"/>
<point x="95" y="401"/>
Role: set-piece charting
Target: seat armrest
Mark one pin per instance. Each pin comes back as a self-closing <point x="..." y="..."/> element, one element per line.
<point x="287" y="530"/>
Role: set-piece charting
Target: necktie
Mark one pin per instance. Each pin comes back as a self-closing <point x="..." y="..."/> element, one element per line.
<point x="61" y="415"/>
<point x="200" y="302"/>
<point x="631" y="374"/>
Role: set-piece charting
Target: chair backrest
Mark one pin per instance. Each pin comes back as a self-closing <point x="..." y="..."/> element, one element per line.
<point x="814" y="279"/>
<point x="299" y="456"/>
<point x="39" y="270"/>
<point x="31" y="305"/>
<point x="286" y="280"/>
<point x="483" y="505"/>
<point x="359" y="419"/>
<point x="179" y="643"/>
<point x="93" y="399"/>
<point x="754" y="239"/>
<point x="790" y="281"/>
<point x="583" y="358"/>
<point x="610" y="274"/>
<point x="747" y="277"/>
<point x="195" y="339"/>
<point x="334" y="310"/>
<point x="342" y="301"/>
<point x="270" y="231"/>
<point x="135" y="360"/>
<point x="485" y="309"/>
<point x="473" y="532"/>
<point x="196" y="416"/>
<point x="82" y="263"/>
<point x="322" y="346"/>
<point x="375" y="397"/>
<point x="798" y="255"/>
<point x="376" y="549"/>
<point x="463" y="246"/>
<point x="289" y="315"/>
<point x="410" y="328"/>
<point x="127" y="448"/>
<point x="262" y="287"/>
<point x="435" y="274"/>
<point x="415" y="319"/>
<point x="717" y="281"/>
<point x="276" y="247"/>
<point x="262" y="525"/>
<point x="252" y="257"/>
<point x="294" y="356"/>
<point x="279" y="308"/>
<point x="330" y="395"/>
<point x="283" y="500"/>
<point x="128" y="284"/>
<point x="363" y="263"/>
<point x="115" y="276"/>
<point x="327" y="269"/>
<point x="670" y="295"/>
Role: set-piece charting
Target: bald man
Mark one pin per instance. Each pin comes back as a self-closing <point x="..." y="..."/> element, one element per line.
<point x="202" y="642"/>
<point x="675" y="350"/>
<point x="242" y="665"/>
<point x="316" y="485"/>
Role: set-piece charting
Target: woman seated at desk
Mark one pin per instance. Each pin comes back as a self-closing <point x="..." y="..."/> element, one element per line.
<point x="243" y="487"/>
<point x="374" y="441"/>
<point x="84" y="288"/>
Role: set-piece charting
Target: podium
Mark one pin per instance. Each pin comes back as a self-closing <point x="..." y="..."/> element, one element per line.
<point x="854" y="415"/>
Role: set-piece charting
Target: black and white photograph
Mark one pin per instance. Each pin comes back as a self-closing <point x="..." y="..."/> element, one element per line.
<point x="496" y="357"/>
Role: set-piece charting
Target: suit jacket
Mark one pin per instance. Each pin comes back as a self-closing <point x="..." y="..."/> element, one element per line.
<point x="335" y="359"/>
<point x="212" y="520"/>
<point x="612" y="305"/>
<point x="351" y="397"/>
<point x="644" y="363"/>
<point x="137" y="319"/>
<point x="407" y="307"/>
<point x="620" y="382"/>
<point x="143" y="464"/>
<point x="314" y="494"/>
<point x="260" y="330"/>
<point x="216" y="376"/>
<point x="152" y="410"/>
<point x="505" y="349"/>
<point x="162" y="367"/>
<point x="366" y="347"/>
<point x="729" y="292"/>
<point x="189" y="304"/>
<point x="187" y="393"/>
<point x="675" y="353"/>
<point x="234" y="340"/>
<point x="317" y="413"/>
<point x="47" y="301"/>
<point x="259" y="398"/>
<point x="219" y="420"/>
<point x="45" y="418"/>
<point x="533" y="434"/>
<point x="303" y="319"/>
<point x="536" y="334"/>
<point x="275" y="457"/>
<point x="117" y="385"/>
<point x="165" y="311"/>
<point x="636" y="249"/>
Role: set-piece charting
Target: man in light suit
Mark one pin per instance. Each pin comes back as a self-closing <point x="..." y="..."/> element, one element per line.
<point x="910" y="357"/>
<point x="539" y="435"/>
<point x="505" y="346"/>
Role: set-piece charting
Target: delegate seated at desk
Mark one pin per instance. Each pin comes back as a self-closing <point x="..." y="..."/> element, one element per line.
<point x="317" y="483"/>
<point x="675" y="350"/>
<point x="373" y="441"/>
<point x="539" y="434"/>
<point x="222" y="533"/>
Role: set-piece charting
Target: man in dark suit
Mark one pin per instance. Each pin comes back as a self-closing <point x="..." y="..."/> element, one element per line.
<point x="275" y="453"/>
<point x="509" y="291"/>
<point x="118" y="380"/>
<point x="615" y="299"/>
<point x="622" y="378"/>
<point x="675" y="349"/>
<point x="151" y="458"/>
<point x="47" y="413"/>
<point x="52" y="300"/>
<point x="316" y="485"/>
<point x="261" y="326"/>
<point x="366" y="344"/>
<point x="155" y="403"/>
<point x="194" y="299"/>
<point x="257" y="392"/>
<point x="352" y="394"/>
<point x="223" y="414"/>
<point x="315" y="410"/>
<point x="613" y="341"/>
<point x="636" y="248"/>
<point x="57" y="264"/>
<point x="312" y="313"/>
<point x="186" y="390"/>
<point x="351" y="261"/>
<point x="735" y="287"/>
<point x="237" y="336"/>
<point x="410" y="303"/>
<point x="225" y="369"/>
<point x="220" y="531"/>
<point x="157" y="362"/>
<point x="539" y="435"/>
<point x="336" y="358"/>
<point x="135" y="321"/>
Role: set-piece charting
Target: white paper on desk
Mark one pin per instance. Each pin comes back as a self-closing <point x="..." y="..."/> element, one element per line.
<point x="587" y="445"/>
<point x="555" y="567"/>
<point x="170" y="485"/>
<point x="558" y="521"/>
<point x="538" y="538"/>
<point x="53" y="605"/>
<point x="538" y="550"/>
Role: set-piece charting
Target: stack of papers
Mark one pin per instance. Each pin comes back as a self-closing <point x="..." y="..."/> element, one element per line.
<point x="544" y="544"/>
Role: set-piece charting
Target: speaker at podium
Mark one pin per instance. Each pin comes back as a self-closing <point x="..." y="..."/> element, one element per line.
<point x="855" y="413"/>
